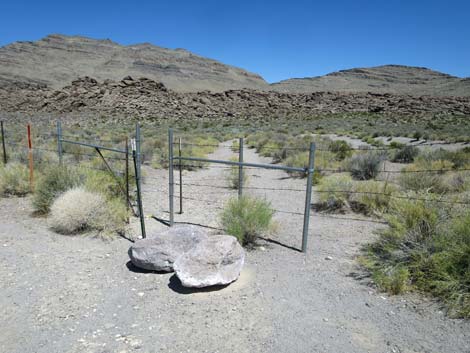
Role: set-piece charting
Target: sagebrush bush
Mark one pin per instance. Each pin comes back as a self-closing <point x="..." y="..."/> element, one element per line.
<point x="54" y="181"/>
<point x="335" y="191"/>
<point x="365" y="166"/>
<point x="14" y="180"/>
<point x="247" y="218"/>
<point x="78" y="210"/>
<point x="406" y="154"/>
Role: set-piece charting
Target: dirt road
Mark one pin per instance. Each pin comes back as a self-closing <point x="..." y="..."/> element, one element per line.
<point x="78" y="294"/>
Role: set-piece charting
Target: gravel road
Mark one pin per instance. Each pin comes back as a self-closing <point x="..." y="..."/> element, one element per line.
<point x="79" y="294"/>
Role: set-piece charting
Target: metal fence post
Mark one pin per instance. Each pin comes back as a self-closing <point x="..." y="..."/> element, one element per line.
<point x="136" y="155"/>
<point x="240" y="167"/>
<point x="181" y="176"/>
<point x="170" y="174"/>
<point x="30" y="159"/>
<point x="127" y="178"/>
<point x="59" y="141"/>
<point x="3" y="144"/>
<point x="308" y="196"/>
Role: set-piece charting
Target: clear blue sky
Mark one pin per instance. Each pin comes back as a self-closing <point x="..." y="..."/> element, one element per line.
<point x="277" y="39"/>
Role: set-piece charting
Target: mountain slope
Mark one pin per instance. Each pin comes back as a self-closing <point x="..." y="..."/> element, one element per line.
<point x="381" y="79"/>
<point x="58" y="59"/>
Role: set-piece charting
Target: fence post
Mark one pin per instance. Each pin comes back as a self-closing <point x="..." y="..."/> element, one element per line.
<point x="136" y="157"/>
<point x="3" y="144"/>
<point x="240" y="167"/>
<point x="30" y="158"/>
<point x="308" y="196"/>
<point x="181" y="176"/>
<point x="59" y="141"/>
<point x="170" y="174"/>
<point x="127" y="178"/>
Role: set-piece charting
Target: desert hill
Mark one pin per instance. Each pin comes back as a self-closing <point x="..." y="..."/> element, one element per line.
<point x="396" y="79"/>
<point x="56" y="60"/>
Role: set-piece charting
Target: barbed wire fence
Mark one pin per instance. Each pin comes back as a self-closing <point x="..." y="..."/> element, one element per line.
<point x="72" y="150"/>
<point x="178" y="161"/>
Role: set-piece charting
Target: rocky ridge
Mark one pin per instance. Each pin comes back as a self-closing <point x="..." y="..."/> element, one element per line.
<point x="146" y="98"/>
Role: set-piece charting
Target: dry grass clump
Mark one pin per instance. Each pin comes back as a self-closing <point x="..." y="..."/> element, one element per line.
<point x="335" y="192"/>
<point x="78" y="210"/>
<point x="14" y="180"/>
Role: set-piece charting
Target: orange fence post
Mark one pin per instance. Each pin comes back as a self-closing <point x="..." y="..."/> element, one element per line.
<point x="30" y="157"/>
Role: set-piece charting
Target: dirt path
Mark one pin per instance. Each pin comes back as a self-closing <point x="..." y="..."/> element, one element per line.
<point x="76" y="294"/>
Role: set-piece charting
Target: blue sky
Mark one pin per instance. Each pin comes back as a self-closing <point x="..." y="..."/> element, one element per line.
<point x="277" y="39"/>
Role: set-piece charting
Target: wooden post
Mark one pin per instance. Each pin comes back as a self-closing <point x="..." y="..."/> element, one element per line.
<point x="30" y="157"/>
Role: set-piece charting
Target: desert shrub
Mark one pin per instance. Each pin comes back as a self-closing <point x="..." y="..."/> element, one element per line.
<point x="14" y="180"/>
<point x="79" y="210"/>
<point x="247" y="218"/>
<point x="371" y="197"/>
<point x="458" y="158"/>
<point x="393" y="280"/>
<point x="406" y="154"/>
<point x="341" y="149"/>
<point x="425" y="175"/>
<point x="427" y="244"/>
<point x="103" y="182"/>
<point x="365" y="166"/>
<point x="54" y="181"/>
<point x="335" y="191"/>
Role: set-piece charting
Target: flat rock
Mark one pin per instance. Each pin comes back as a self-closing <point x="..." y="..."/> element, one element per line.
<point x="159" y="251"/>
<point x="216" y="260"/>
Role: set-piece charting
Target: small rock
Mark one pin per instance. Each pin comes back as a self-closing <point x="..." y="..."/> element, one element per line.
<point x="328" y="258"/>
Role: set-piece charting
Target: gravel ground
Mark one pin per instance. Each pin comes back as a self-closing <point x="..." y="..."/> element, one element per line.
<point x="79" y="294"/>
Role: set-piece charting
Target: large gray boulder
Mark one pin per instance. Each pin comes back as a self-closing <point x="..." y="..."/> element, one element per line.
<point x="159" y="251"/>
<point x="216" y="260"/>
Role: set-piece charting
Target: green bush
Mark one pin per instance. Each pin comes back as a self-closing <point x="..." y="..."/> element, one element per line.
<point x="427" y="245"/>
<point x="14" y="180"/>
<point x="54" y="181"/>
<point x="247" y="218"/>
<point x="394" y="280"/>
<point x="341" y="149"/>
<point x="406" y="154"/>
<point x="365" y="166"/>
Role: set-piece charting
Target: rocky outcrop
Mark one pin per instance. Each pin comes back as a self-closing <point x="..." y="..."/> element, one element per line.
<point x="217" y="260"/>
<point x="145" y="98"/>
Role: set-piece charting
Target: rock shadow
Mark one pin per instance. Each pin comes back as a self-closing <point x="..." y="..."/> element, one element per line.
<point x="131" y="267"/>
<point x="175" y="285"/>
